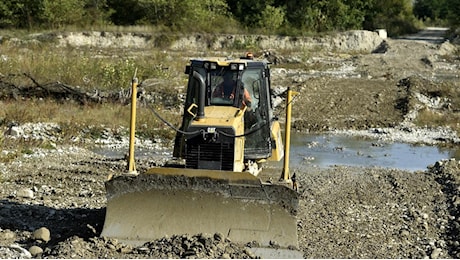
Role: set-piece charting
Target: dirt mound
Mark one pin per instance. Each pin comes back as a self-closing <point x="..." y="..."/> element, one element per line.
<point x="378" y="213"/>
<point x="191" y="247"/>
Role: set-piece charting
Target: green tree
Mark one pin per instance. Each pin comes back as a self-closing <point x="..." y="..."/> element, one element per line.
<point x="271" y="18"/>
<point x="300" y="14"/>
<point x="423" y="10"/>
<point x="339" y="15"/>
<point x="432" y="10"/>
<point x="97" y="12"/>
<point x="395" y="16"/>
<point x="20" y="13"/>
<point x="185" y="14"/>
<point x="6" y="15"/>
<point x="321" y="16"/>
<point x="356" y="13"/>
<point x="58" y="13"/>
<point x="125" y="12"/>
<point x="249" y="12"/>
<point x="453" y="15"/>
<point x="174" y="14"/>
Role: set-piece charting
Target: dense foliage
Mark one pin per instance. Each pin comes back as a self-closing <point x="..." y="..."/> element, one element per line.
<point x="438" y="11"/>
<point x="266" y="16"/>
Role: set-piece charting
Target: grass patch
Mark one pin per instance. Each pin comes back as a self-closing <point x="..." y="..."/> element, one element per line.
<point x="27" y="150"/>
<point x="88" y="120"/>
<point x="446" y="92"/>
<point x="8" y="157"/>
<point x="13" y="149"/>
<point x="87" y="68"/>
<point x="431" y="118"/>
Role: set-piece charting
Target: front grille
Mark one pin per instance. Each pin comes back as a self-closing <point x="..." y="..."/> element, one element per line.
<point x="214" y="156"/>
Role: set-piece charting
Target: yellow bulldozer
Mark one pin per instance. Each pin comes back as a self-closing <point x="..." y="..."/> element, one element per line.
<point x="228" y="132"/>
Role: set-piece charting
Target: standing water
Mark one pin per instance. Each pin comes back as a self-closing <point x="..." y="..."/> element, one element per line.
<point x="327" y="150"/>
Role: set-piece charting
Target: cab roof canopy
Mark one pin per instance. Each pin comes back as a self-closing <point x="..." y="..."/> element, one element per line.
<point x="224" y="62"/>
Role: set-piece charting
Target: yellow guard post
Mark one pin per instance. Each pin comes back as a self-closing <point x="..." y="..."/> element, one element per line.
<point x="132" y="130"/>
<point x="287" y="138"/>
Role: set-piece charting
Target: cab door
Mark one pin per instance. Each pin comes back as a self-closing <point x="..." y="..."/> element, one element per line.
<point x="257" y="118"/>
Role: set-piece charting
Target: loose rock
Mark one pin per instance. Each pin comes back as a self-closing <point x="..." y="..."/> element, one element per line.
<point x="35" y="250"/>
<point x="25" y="193"/>
<point x="42" y="234"/>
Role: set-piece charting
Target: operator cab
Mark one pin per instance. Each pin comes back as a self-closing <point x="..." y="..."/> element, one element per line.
<point x="241" y="83"/>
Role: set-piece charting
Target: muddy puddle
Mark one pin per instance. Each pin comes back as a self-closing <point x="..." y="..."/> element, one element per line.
<point x="328" y="150"/>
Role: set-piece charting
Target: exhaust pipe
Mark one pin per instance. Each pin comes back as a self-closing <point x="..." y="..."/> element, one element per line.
<point x="201" y="95"/>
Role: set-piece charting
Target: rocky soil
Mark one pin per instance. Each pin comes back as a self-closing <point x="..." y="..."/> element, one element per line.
<point x="52" y="201"/>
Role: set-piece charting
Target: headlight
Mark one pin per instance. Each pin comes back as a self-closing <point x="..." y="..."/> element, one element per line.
<point x="237" y="66"/>
<point x="210" y="65"/>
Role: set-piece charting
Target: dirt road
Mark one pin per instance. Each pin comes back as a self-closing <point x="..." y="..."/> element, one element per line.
<point x="431" y="35"/>
<point x="345" y="212"/>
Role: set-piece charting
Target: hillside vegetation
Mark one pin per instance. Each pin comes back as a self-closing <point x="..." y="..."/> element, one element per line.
<point x="230" y="16"/>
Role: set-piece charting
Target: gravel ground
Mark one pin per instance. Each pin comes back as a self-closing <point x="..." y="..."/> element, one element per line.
<point x="52" y="201"/>
<point x="345" y="212"/>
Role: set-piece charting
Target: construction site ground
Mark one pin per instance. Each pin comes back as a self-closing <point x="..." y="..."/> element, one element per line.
<point x="344" y="211"/>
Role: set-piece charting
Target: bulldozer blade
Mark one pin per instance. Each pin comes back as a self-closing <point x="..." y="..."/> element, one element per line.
<point x="175" y="201"/>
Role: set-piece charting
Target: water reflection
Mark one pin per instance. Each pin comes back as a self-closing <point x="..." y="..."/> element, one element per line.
<point x="327" y="150"/>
